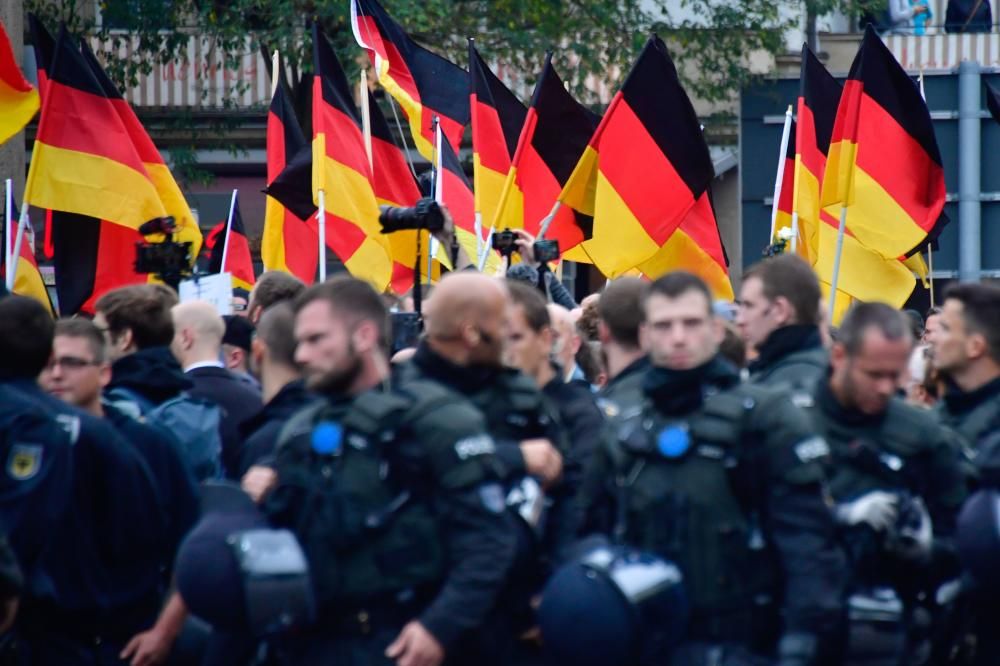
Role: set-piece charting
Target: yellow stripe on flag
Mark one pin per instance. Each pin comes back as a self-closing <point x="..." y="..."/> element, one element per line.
<point x="805" y="201"/>
<point x="17" y="108"/>
<point x="681" y="253"/>
<point x="580" y="190"/>
<point x="620" y="242"/>
<point x="864" y="275"/>
<point x="100" y="187"/>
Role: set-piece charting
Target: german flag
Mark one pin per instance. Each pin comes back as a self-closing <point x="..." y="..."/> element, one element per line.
<point x="44" y="47"/>
<point x="231" y="251"/>
<point x="425" y="84"/>
<point x="341" y="171"/>
<point x="394" y="186"/>
<point x="884" y="165"/>
<point x="783" y="219"/>
<point x="455" y="192"/>
<point x="696" y="247"/>
<point x="18" y="98"/>
<point x="497" y="118"/>
<point x="650" y="122"/>
<point x="287" y="243"/>
<point x="555" y="134"/>
<point x="865" y="275"/>
<point x="27" y="280"/>
<point x="166" y="187"/>
<point x="84" y="160"/>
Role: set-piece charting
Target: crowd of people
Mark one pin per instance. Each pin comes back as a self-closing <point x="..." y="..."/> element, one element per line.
<point x="649" y="477"/>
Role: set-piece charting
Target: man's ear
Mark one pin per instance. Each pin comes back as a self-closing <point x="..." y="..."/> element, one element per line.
<point x="784" y="310"/>
<point x="105" y="374"/>
<point x="976" y="346"/>
<point x="365" y="336"/>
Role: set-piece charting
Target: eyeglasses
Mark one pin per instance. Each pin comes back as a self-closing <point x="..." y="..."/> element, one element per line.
<point x="71" y="363"/>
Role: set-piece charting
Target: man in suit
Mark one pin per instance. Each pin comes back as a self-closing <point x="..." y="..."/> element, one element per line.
<point x="197" y="344"/>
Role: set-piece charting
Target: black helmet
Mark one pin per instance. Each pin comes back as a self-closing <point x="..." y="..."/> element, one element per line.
<point x="597" y="608"/>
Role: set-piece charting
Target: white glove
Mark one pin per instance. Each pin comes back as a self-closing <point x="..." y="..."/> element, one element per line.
<point x="877" y="509"/>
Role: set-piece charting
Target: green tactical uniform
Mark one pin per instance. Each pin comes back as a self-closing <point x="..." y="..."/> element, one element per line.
<point x="792" y="356"/>
<point x="624" y="391"/>
<point x="723" y="479"/>
<point x="975" y="417"/>
<point x="402" y="520"/>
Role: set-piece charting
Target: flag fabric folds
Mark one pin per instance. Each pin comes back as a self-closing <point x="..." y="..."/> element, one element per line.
<point x="84" y="158"/>
<point x="27" y="280"/>
<point x="884" y="164"/>
<point x="288" y="243"/>
<point x="18" y="98"/>
<point x="651" y="124"/>
<point x="696" y="247"/>
<point x="341" y="170"/>
<point x="497" y="118"/>
<point x="555" y="133"/>
<point x="231" y="251"/>
<point x="423" y="83"/>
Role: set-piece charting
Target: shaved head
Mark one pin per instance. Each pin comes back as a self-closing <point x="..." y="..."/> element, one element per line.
<point x="198" y="331"/>
<point x="467" y="311"/>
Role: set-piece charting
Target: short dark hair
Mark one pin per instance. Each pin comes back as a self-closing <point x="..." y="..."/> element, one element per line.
<point x="791" y="278"/>
<point x="531" y="301"/>
<point x="142" y="308"/>
<point x="26" y="331"/>
<point x="276" y="329"/>
<point x="350" y="296"/>
<point x="886" y="319"/>
<point x="980" y="311"/>
<point x="78" y="327"/>
<point x="620" y="308"/>
<point x="274" y="287"/>
<point x="676" y="284"/>
<point x="732" y="347"/>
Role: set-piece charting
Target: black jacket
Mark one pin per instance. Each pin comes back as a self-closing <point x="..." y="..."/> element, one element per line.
<point x="153" y="373"/>
<point x="260" y="432"/>
<point x="792" y="356"/>
<point x="238" y="403"/>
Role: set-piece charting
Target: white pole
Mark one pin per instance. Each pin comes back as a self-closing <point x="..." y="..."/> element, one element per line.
<point x="366" y="117"/>
<point x="432" y="244"/>
<point x="15" y="256"/>
<point x="546" y="222"/>
<point x="8" y="213"/>
<point x="781" y="172"/>
<point x="229" y="228"/>
<point x="478" y="228"/>
<point x="275" y="71"/>
<point x="795" y="231"/>
<point x="836" y="260"/>
<point x="321" y="218"/>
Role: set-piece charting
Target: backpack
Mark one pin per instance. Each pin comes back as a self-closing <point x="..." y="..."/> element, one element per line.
<point x="193" y="422"/>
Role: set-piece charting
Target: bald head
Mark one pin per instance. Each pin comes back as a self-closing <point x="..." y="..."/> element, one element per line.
<point x="464" y="318"/>
<point x="198" y="331"/>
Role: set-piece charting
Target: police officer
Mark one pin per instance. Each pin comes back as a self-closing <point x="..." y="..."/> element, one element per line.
<point x="392" y="493"/>
<point x="92" y="594"/>
<point x="966" y="351"/>
<point x="724" y="480"/>
<point x="779" y="316"/>
<point x="894" y="471"/>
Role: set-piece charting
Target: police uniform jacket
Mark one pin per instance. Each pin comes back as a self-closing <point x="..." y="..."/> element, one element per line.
<point x="792" y="356"/>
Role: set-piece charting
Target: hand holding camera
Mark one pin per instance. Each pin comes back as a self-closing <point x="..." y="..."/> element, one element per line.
<point x="533" y="252"/>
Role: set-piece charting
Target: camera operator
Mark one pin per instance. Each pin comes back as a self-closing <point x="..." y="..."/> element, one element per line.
<point x="431" y="216"/>
<point x="532" y="270"/>
<point x="894" y="475"/>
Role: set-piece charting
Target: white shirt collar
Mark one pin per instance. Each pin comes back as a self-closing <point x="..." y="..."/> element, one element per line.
<point x="203" y="364"/>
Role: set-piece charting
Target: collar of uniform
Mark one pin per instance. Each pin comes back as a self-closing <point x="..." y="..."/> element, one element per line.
<point x="203" y="364"/>
<point x="960" y="402"/>
<point x="465" y="379"/>
<point x="784" y="341"/>
<point x="635" y="367"/>
<point x="683" y="391"/>
<point x="838" y="413"/>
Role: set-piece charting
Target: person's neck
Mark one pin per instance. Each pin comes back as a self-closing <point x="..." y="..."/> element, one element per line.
<point x="453" y="352"/>
<point x="976" y="375"/>
<point x="200" y="356"/>
<point x="94" y="407"/>
<point x="544" y="374"/>
<point x="619" y="358"/>
<point x="374" y="373"/>
<point x="275" y="377"/>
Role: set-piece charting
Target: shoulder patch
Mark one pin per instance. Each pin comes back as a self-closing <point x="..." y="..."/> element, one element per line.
<point x="477" y="445"/>
<point x="71" y="424"/>
<point x="812" y="449"/>
<point x="24" y="461"/>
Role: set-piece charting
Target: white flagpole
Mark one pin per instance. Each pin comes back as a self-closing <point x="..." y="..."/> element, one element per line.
<point x="321" y="218"/>
<point x="229" y="229"/>
<point x="432" y="244"/>
<point x="546" y="222"/>
<point x="8" y="198"/>
<point x="836" y="260"/>
<point x="15" y="256"/>
<point x="366" y="117"/>
<point x="781" y="172"/>
<point x="275" y="71"/>
<point x="930" y="246"/>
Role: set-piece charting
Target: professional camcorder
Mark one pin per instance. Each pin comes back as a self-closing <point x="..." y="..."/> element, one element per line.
<point x="426" y="214"/>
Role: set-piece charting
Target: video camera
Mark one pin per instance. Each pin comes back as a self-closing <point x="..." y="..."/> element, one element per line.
<point x="425" y="214"/>
<point x="168" y="260"/>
